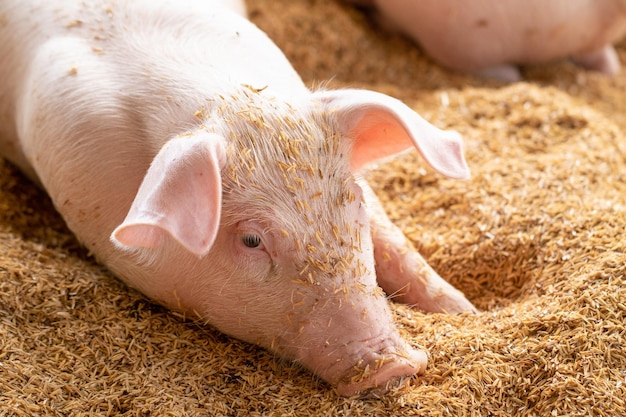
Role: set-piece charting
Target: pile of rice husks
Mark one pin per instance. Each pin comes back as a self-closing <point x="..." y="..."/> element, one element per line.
<point x="535" y="239"/>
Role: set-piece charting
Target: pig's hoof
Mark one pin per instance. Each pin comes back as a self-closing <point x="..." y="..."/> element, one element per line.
<point x="374" y="382"/>
<point x="455" y="305"/>
<point x="604" y="60"/>
<point x="506" y="73"/>
<point x="448" y="300"/>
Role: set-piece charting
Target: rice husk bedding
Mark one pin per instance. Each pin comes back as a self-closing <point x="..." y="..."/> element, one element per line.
<point x="534" y="239"/>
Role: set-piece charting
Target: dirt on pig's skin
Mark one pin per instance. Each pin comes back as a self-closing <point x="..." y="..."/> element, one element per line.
<point x="534" y="239"/>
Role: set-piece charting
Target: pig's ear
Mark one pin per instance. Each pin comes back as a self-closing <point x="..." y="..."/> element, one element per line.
<point x="180" y="196"/>
<point x="382" y="126"/>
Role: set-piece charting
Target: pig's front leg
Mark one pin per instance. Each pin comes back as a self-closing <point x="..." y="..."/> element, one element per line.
<point x="402" y="272"/>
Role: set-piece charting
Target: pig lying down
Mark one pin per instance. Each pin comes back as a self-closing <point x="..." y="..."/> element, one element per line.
<point x="491" y="37"/>
<point x="183" y="150"/>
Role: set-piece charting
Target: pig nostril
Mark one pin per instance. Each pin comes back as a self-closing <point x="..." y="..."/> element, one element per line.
<point x="379" y="391"/>
<point x="391" y="375"/>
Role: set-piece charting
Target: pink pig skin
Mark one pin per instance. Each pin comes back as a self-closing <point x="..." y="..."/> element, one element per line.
<point x="183" y="150"/>
<point x="492" y="36"/>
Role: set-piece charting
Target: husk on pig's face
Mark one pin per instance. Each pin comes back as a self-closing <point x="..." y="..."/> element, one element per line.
<point x="297" y="247"/>
<point x="254" y="221"/>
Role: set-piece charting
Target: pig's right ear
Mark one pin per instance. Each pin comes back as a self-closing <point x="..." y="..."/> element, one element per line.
<point x="180" y="196"/>
<point x="382" y="126"/>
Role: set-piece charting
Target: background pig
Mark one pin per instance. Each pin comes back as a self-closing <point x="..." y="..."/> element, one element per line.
<point x="492" y="36"/>
<point x="184" y="151"/>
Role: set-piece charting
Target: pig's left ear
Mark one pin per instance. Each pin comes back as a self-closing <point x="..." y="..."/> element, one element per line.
<point x="382" y="126"/>
<point x="180" y="196"/>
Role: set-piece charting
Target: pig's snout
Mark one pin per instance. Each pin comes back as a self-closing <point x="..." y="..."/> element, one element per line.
<point x="379" y="375"/>
<point x="366" y="367"/>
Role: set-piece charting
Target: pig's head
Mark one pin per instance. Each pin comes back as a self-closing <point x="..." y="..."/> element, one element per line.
<point x="259" y="213"/>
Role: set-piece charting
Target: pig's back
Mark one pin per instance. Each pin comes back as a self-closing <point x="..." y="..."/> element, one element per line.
<point x="96" y="89"/>
<point x="471" y="35"/>
<point x="158" y="57"/>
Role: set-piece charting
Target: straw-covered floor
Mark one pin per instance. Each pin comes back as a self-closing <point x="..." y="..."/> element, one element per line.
<point x="535" y="239"/>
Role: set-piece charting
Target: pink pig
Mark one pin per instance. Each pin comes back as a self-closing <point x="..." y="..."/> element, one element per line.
<point x="492" y="36"/>
<point x="183" y="150"/>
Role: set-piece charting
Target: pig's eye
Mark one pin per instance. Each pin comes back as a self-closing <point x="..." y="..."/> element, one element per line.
<point x="251" y="241"/>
